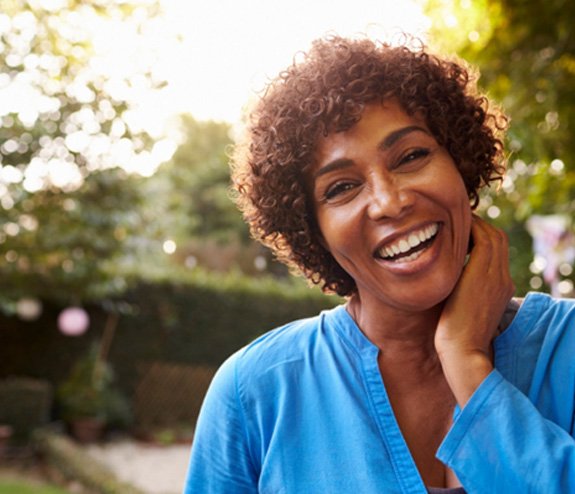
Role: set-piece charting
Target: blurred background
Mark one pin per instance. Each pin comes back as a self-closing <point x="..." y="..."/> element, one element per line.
<point x="126" y="274"/>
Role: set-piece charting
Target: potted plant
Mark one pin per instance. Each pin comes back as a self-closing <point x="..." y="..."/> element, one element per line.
<point x="88" y="400"/>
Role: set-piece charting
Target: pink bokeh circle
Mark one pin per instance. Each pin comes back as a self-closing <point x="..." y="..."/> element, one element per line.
<point x="73" y="321"/>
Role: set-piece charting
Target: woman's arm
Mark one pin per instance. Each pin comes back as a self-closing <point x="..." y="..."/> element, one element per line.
<point x="501" y="443"/>
<point x="502" y="440"/>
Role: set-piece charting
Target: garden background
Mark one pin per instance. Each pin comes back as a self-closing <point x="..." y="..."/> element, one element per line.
<point x="119" y="245"/>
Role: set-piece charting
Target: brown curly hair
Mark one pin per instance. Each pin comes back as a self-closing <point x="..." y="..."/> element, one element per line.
<point x="326" y="91"/>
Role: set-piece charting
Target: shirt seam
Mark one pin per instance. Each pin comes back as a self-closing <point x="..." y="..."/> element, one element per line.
<point x="383" y="432"/>
<point x="243" y="417"/>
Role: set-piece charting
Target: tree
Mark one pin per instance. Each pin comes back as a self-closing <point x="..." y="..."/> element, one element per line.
<point x="198" y="178"/>
<point x="70" y="217"/>
<point x="526" y="54"/>
<point x="192" y="194"/>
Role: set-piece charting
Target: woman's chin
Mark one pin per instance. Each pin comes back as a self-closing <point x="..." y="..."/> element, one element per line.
<point x="424" y="299"/>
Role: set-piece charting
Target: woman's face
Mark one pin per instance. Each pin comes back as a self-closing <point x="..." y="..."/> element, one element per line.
<point x="392" y="208"/>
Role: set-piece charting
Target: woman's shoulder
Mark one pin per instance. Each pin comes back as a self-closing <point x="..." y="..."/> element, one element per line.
<point x="544" y="309"/>
<point x="289" y="342"/>
<point x="537" y="309"/>
<point x="535" y="352"/>
<point x="538" y="320"/>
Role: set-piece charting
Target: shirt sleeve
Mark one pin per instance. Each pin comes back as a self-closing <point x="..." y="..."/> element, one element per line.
<point x="220" y="461"/>
<point x="501" y="443"/>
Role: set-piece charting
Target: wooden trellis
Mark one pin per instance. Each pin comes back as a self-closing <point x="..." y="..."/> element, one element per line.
<point x="170" y="395"/>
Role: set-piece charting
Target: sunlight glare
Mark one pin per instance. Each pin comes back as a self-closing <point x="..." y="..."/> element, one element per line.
<point x="231" y="48"/>
<point x="213" y="56"/>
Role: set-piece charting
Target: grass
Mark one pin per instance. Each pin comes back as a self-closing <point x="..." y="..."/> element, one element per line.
<point x="16" y="480"/>
<point x="22" y="487"/>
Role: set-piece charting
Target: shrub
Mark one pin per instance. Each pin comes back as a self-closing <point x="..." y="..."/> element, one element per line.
<point x="24" y="405"/>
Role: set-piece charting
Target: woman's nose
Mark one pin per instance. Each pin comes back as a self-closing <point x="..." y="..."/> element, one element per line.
<point x="388" y="199"/>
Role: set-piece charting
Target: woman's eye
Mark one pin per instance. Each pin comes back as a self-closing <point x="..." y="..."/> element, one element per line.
<point x="337" y="189"/>
<point x="413" y="156"/>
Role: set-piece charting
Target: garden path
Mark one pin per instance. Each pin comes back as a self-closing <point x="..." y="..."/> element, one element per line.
<point x="152" y="468"/>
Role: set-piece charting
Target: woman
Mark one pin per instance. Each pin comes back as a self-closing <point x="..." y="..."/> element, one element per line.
<point x="361" y="168"/>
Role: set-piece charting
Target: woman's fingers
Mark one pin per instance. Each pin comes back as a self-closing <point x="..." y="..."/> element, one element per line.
<point x="472" y="312"/>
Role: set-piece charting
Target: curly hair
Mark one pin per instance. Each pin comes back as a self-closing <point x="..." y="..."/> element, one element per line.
<point x="325" y="92"/>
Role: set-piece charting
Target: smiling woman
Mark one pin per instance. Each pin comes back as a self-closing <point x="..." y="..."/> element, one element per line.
<point x="360" y="167"/>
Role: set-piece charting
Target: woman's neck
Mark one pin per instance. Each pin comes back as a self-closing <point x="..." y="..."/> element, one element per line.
<point x="403" y="337"/>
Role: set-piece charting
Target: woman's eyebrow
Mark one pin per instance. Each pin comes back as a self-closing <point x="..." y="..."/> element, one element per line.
<point x="337" y="164"/>
<point x="396" y="135"/>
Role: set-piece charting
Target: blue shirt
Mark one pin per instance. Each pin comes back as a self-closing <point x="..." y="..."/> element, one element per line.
<point x="303" y="410"/>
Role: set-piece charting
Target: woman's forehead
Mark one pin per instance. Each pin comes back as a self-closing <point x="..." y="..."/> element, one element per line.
<point x="385" y="122"/>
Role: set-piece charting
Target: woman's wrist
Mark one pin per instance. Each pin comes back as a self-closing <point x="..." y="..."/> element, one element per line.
<point x="464" y="372"/>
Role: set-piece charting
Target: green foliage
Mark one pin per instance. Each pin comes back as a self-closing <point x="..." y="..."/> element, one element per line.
<point x="27" y="487"/>
<point x="526" y="55"/>
<point x="89" y="392"/>
<point x="196" y="183"/>
<point x="190" y="319"/>
<point x="192" y="202"/>
<point x="25" y="405"/>
<point x="70" y="216"/>
<point x="198" y="318"/>
<point x="83" y="240"/>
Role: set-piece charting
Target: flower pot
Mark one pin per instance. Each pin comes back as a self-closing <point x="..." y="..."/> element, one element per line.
<point x="87" y="429"/>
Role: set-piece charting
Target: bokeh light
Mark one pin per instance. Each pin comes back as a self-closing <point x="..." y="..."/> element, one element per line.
<point x="29" y="309"/>
<point x="73" y="321"/>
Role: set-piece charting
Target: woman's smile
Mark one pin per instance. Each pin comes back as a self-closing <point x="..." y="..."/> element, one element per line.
<point x="408" y="247"/>
<point x="417" y="251"/>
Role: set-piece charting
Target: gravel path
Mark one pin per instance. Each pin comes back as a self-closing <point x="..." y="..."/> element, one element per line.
<point x="154" y="469"/>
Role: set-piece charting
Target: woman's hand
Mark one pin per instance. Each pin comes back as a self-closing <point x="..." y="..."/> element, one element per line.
<point x="472" y="312"/>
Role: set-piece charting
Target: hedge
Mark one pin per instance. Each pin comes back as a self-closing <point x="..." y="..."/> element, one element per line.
<point x="195" y="321"/>
<point x="25" y="405"/>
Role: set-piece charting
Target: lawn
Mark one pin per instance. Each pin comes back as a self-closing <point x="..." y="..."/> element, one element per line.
<point x="26" y="481"/>
<point x="22" y="487"/>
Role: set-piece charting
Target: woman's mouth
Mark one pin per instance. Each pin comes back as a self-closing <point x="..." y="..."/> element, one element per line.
<point x="409" y="247"/>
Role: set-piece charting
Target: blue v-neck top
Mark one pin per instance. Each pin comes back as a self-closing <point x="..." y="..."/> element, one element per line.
<point x="304" y="410"/>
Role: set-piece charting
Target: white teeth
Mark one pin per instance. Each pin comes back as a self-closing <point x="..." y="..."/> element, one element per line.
<point x="414" y="240"/>
<point x="407" y="243"/>
<point x="411" y="257"/>
<point x="431" y="230"/>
